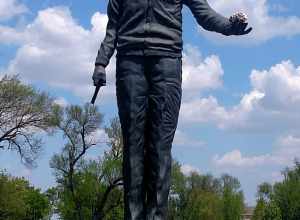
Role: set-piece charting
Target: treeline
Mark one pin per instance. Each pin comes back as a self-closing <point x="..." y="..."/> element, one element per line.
<point x="21" y="201"/>
<point x="198" y="196"/>
<point x="280" y="201"/>
<point x="89" y="188"/>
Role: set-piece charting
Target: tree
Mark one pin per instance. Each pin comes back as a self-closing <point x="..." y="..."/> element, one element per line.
<point x="79" y="126"/>
<point x="204" y="197"/>
<point x="259" y="210"/>
<point x="272" y="211"/>
<point x="20" y="201"/>
<point x="206" y="205"/>
<point x="233" y="198"/>
<point x="88" y="189"/>
<point x="24" y="113"/>
<point x="287" y="193"/>
<point x="52" y="194"/>
<point x="281" y="201"/>
<point x="264" y="194"/>
<point x="265" y="191"/>
<point x="177" y="198"/>
<point x="112" y="173"/>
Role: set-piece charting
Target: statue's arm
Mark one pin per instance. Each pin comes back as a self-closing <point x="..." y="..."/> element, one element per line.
<point x="109" y="43"/>
<point x="208" y="18"/>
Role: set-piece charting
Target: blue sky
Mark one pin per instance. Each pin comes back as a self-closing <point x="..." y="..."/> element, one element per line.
<point x="241" y="96"/>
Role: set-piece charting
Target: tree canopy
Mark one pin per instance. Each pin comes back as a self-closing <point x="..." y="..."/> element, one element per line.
<point x="21" y="201"/>
<point x="280" y="201"/>
<point x="24" y="113"/>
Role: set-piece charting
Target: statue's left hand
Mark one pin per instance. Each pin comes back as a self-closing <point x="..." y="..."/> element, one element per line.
<point x="239" y="24"/>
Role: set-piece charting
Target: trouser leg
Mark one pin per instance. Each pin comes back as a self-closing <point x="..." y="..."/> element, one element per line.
<point x="132" y="90"/>
<point x="164" y="104"/>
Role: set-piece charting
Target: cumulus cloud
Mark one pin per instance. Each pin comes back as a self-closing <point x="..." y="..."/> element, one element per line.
<point x="55" y="49"/>
<point x="236" y="159"/>
<point x="182" y="139"/>
<point x="202" y="110"/>
<point x="187" y="169"/>
<point x="273" y="103"/>
<point x="61" y="101"/>
<point x="10" y="9"/>
<point x="9" y="35"/>
<point x="286" y="150"/>
<point x="265" y="24"/>
<point x="200" y="73"/>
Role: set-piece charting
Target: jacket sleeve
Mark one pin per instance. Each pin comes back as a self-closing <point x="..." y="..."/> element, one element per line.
<point x="109" y="43"/>
<point x="208" y="18"/>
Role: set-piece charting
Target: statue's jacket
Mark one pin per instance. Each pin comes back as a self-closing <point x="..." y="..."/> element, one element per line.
<point x="153" y="27"/>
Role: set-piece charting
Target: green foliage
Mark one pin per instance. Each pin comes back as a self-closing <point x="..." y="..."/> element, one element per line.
<point x="287" y="194"/>
<point x="266" y="210"/>
<point x="204" y="197"/>
<point x="177" y="198"/>
<point x="233" y="198"/>
<point x="281" y="201"/>
<point x="259" y="210"/>
<point x="265" y="191"/>
<point x="93" y="179"/>
<point x="24" y="111"/>
<point x="272" y="211"/>
<point x="87" y="189"/>
<point x="203" y="205"/>
<point x="20" y="201"/>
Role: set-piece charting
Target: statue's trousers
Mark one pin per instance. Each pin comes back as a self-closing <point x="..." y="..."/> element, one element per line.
<point x="149" y="97"/>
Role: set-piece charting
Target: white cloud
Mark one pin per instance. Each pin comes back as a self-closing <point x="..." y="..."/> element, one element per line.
<point x="265" y="26"/>
<point x="201" y="110"/>
<point x="281" y="86"/>
<point x="62" y="53"/>
<point x="11" y="8"/>
<point x="287" y="149"/>
<point x="181" y="139"/>
<point x="273" y="103"/>
<point x="55" y="49"/>
<point x="187" y="169"/>
<point x="200" y="74"/>
<point x="235" y="159"/>
<point x="9" y="35"/>
<point x="61" y="101"/>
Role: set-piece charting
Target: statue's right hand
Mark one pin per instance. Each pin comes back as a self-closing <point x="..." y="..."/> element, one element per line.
<point x="239" y="23"/>
<point x="99" y="76"/>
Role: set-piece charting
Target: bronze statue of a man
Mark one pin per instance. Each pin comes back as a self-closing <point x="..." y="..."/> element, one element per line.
<point x="148" y="37"/>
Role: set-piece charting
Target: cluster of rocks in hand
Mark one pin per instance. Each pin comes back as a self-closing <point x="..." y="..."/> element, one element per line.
<point x="238" y="17"/>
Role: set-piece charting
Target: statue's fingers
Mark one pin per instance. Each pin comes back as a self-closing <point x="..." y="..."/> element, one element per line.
<point x="96" y="82"/>
<point x="238" y="27"/>
<point x="242" y="27"/>
<point x="248" y="30"/>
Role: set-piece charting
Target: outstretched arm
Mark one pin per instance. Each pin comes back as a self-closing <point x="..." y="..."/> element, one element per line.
<point x="210" y="20"/>
<point x="109" y="43"/>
